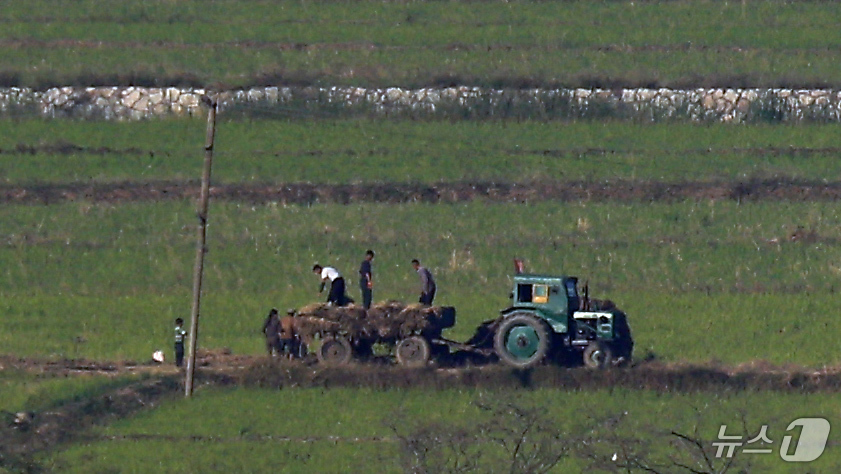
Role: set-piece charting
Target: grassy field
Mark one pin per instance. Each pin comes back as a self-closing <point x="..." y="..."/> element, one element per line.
<point x="109" y="279"/>
<point x="399" y="151"/>
<point x="251" y="429"/>
<point x="703" y="281"/>
<point x="22" y="391"/>
<point x="420" y="43"/>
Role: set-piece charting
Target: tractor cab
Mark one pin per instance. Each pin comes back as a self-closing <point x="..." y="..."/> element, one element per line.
<point x="555" y="298"/>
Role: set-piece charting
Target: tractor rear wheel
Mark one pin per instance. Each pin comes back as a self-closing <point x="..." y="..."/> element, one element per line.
<point x="522" y="340"/>
<point x="335" y="350"/>
<point x="414" y="351"/>
<point x="597" y="355"/>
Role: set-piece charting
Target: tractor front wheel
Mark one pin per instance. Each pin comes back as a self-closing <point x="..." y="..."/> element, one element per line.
<point x="522" y="340"/>
<point x="597" y="355"/>
<point x="335" y="350"/>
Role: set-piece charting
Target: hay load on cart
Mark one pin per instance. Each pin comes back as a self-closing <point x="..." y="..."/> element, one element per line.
<point x="351" y="330"/>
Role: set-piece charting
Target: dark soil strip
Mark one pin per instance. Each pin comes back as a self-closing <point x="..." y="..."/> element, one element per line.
<point x="647" y="376"/>
<point x="454" y="192"/>
<point x="789" y="151"/>
<point x="61" y="148"/>
<point x="9" y="43"/>
<point x="68" y="366"/>
<point x="757" y="152"/>
<point x="246" y="438"/>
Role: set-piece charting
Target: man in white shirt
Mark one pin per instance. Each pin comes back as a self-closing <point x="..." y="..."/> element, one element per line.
<point x="337" y="295"/>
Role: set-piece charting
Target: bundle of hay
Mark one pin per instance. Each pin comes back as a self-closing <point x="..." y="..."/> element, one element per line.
<point x="414" y="318"/>
<point x="382" y="318"/>
<point x="395" y="320"/>
<point x="352" y="320"/>
<point x="318" y="310"/>
<point x="310" y="326"/>
<point x="323" y="318"/>
<point x="388" y="308"/>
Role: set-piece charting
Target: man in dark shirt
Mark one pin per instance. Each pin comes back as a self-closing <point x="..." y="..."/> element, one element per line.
<point x="427" y="283"/>
<point x="271" y="328"/>
<point x="366" y="279"/>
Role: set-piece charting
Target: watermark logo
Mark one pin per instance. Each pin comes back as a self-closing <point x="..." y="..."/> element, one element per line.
<point x="813" y="435"/>
<point x="804" y="441"/>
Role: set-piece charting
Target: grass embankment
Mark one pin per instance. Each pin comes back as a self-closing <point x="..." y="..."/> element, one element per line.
<point x="701" y="281"/>
<point x="340" y="430"/>
<point x="20" y="390"/>
<point x="36" y="152"/>
<point x="236" y="43"/>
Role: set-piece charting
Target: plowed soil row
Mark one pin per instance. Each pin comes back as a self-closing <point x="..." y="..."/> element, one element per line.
<point x="64" y="148"/>
<point x="642" y="376"/>
<point x="10" y="43"/>
<point x="454" y="192"/>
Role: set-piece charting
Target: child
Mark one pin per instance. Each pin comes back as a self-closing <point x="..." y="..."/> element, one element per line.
<point x="179" y="342"/>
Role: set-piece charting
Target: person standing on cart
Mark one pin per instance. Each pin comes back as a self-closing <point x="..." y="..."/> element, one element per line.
<point x="366" y="280"/>
<point x="427" y="283"/>
<point x="337" y="296"/>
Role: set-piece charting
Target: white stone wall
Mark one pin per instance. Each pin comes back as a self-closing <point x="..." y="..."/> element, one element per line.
<point x="726" y="105"/>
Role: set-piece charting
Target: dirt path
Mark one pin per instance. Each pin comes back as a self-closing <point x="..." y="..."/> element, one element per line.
<point x="306" y="193"/>
<point x="223" y="368"/>
<point x="220" y="360"/>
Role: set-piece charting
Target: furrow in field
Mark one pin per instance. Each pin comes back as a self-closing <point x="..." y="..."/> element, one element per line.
<point x="69" y="149"/>
<point x="450" y="192"/>
<point x="15" y="43"/>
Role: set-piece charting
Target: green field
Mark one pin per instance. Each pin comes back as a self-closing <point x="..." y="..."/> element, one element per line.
<point x="291" y="430"/>
<point x="21" y="391"/>
<point x="703" y="281"/>
<point x="716" y="281"/>
<point x="114" y="276"/>
<point x="403" y="151"/>
<point x="235" y="43"/>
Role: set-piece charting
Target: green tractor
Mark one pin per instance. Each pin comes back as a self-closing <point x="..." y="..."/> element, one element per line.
<point x="548" y="319"/>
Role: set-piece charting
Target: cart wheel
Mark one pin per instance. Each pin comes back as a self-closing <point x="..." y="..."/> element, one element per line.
<point x="412" y="352"/>
<point x="334" y="350"/>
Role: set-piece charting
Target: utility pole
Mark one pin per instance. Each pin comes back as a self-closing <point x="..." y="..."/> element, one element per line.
<point x="201" y="249"/>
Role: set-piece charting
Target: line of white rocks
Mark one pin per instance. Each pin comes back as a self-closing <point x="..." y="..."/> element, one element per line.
<point x="727" y="105"/>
